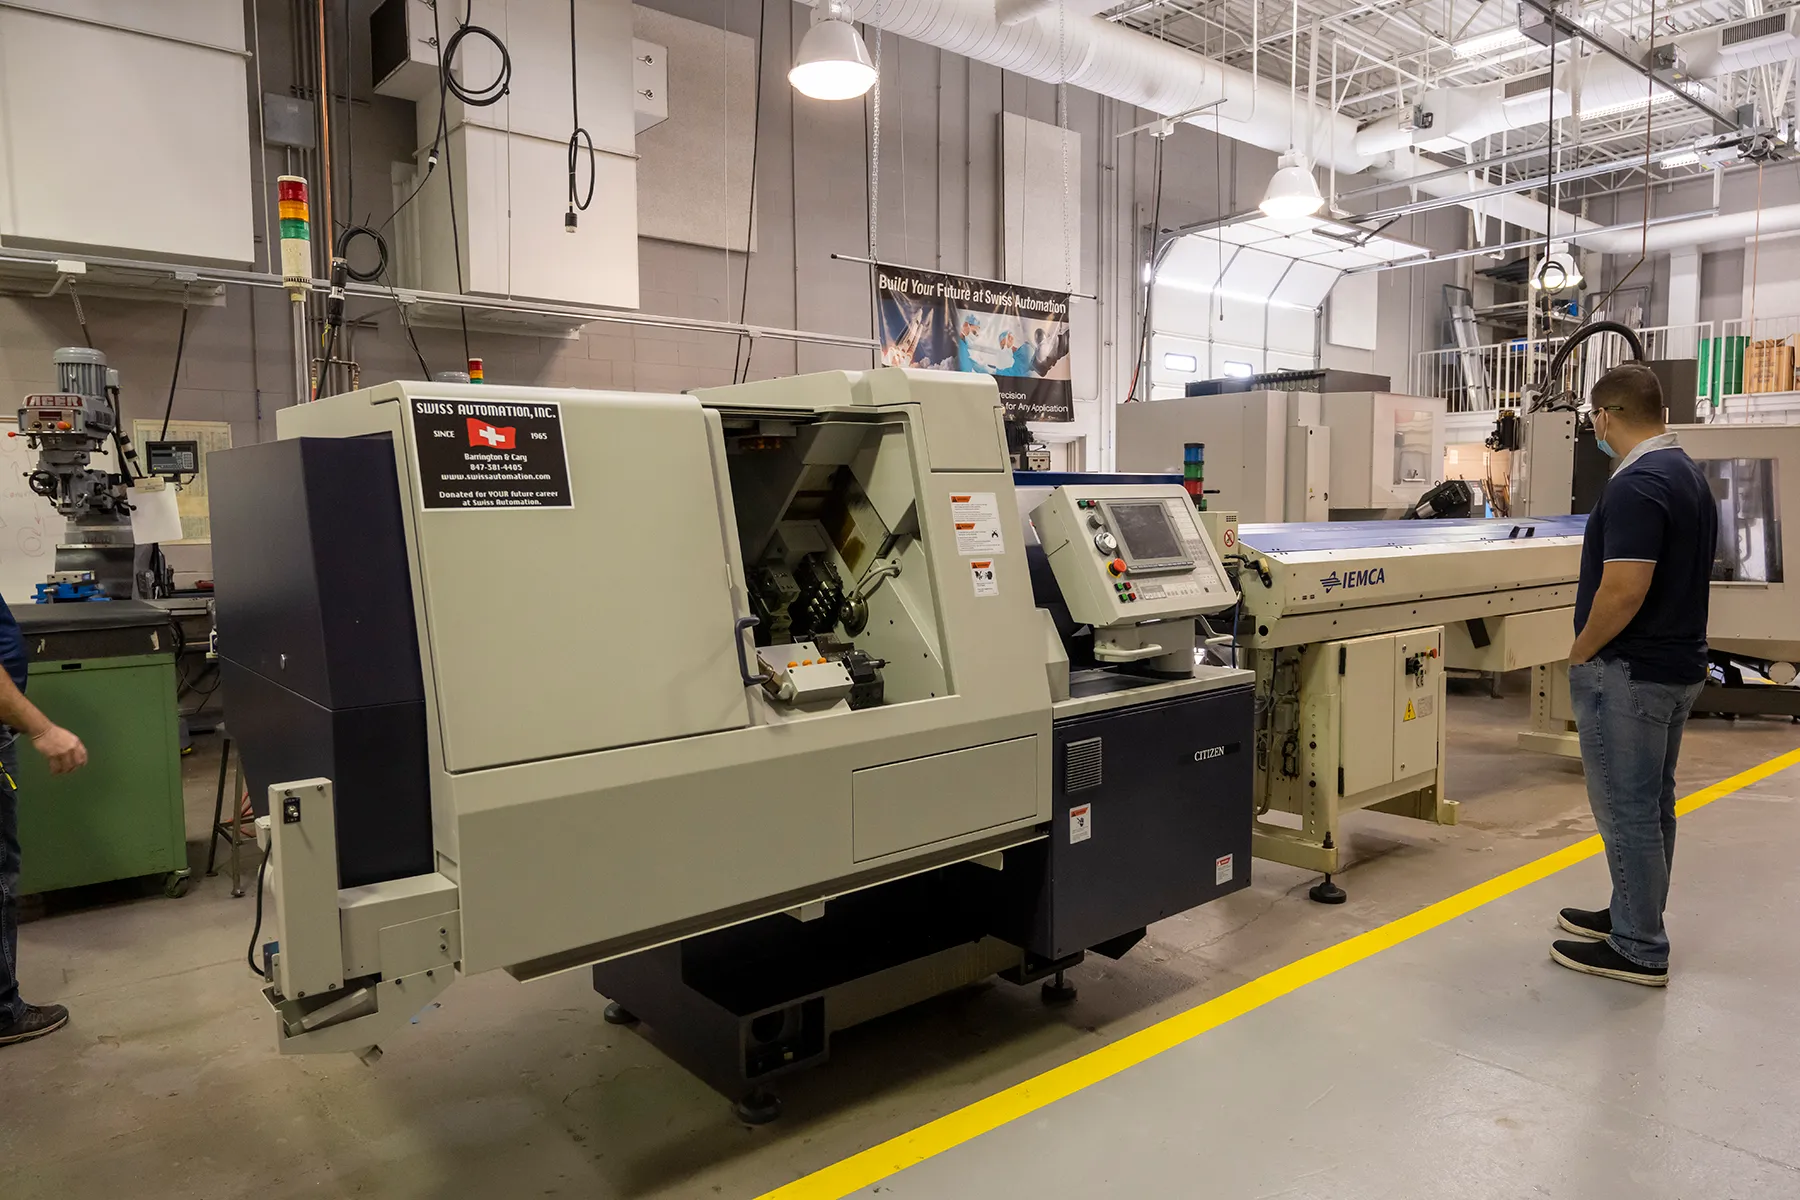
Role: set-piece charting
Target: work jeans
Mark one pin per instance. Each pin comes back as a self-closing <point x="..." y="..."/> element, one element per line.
<point x="12" y="1007"/>
<point x="1630" y="733"/>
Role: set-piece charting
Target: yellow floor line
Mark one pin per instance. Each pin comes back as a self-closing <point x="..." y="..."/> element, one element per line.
<point x="973" y="1120"/>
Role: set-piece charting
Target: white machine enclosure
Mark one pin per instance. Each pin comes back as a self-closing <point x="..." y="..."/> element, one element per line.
<point x="1295" y="456"/>
<point x="1260" y="461"/>
<point x="1387" y="449"/>
<point x="602" y="779"/>
<point x="1756" y="610"/>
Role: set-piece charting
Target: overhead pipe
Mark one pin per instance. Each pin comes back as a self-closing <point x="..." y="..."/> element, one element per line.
<point x="1125" y="65"/>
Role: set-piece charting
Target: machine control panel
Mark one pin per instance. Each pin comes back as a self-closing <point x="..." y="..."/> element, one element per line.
<point x="1125" y="554"/>
<point x="62" y="412"/>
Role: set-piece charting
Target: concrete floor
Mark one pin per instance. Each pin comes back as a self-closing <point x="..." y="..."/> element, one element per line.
<point x="1430" y="1070"/>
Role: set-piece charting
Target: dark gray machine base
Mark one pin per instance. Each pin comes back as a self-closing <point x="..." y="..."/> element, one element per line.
<point x="1750" y="700"/>
<point x="742" y="1006"/>
<point x="1736" y="698"/>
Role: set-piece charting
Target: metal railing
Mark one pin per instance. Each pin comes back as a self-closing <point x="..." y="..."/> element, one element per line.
<point x="1493" y="376"/>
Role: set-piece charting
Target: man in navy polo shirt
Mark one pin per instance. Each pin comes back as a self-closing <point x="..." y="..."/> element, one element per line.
<point x="1636" y="668"/>
<point x="19" y="1021"/>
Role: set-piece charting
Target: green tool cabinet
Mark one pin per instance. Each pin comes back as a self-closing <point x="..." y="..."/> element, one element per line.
<point x="107" y="672"/>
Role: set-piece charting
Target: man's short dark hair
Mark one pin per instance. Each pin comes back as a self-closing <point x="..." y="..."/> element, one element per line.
<point x="1631" y="389"/>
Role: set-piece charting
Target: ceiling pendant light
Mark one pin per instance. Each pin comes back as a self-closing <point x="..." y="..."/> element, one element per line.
<point x="1293" y="192"/>
<point x="1558" y="271"/>
<point x="832" y="62"/>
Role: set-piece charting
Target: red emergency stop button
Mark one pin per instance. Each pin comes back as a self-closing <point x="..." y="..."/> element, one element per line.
<point x="63" y="425"/>
<point x="1116" y="566"/>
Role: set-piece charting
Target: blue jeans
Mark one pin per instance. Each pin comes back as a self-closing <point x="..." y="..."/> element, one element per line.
<point x="1630" y="733"/>
<point x="12" y="1006"/>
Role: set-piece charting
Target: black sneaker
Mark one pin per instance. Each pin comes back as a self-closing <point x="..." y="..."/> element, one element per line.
<point x="37" y="1021"/>
<point x="1599" y="958"/>
<point x="1596" y="924"/>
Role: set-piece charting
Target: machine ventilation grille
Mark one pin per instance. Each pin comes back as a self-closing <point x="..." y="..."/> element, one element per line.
<point x="1081" y="765"/>
<point x="1749" y="31"/>
<point x="1530" y="85"/>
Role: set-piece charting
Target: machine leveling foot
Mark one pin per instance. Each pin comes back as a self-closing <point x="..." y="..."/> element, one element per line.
<point x="618" y="1014"/>
<point x="1057" y="991"/>
<point x="758" y="1107"/>
<point x="1327" y="892"/>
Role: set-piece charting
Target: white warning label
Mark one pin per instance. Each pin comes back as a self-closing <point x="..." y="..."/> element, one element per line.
<point x="1222" y="869"/>
<point x="982" y="569"/>
<point x="1081" y="823"/>
<point x="976" y="516"/>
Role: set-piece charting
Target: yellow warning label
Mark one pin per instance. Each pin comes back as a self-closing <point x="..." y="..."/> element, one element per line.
<point x="1410" y="714"/>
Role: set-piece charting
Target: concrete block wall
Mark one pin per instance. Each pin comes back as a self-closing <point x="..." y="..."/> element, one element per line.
<point x="940" y="187"/>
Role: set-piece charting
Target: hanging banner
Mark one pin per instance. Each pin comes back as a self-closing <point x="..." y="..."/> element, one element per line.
<point x="1019" y="335"/>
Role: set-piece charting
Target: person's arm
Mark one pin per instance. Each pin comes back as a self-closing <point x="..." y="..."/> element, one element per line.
<point x="62" y="749"/>
<point x="1623" y="585"/>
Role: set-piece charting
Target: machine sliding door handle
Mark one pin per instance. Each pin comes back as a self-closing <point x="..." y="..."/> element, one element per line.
<point x="737" y="639"/>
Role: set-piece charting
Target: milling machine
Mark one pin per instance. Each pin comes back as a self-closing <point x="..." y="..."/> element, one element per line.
<point x="98" y="558"/>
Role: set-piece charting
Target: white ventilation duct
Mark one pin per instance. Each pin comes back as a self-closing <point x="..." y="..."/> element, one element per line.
<point x="1111" y="60"/>
<point x="1729" y="228"/>
<point x="1124" y="64"/>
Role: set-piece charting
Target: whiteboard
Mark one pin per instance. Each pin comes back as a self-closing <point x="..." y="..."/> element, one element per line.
<point x="29" y="526"/>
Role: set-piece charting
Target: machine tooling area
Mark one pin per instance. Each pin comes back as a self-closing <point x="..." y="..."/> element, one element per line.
<point x="576" y="624"/>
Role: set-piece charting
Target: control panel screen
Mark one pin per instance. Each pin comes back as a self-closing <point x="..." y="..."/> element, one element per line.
<point x="1145" y="533"/>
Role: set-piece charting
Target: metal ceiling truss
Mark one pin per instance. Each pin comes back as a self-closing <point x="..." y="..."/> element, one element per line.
<point x="1374" y="55"/>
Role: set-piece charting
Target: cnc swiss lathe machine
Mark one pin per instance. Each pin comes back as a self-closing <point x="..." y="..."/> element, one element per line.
<point x="740" y="698"/>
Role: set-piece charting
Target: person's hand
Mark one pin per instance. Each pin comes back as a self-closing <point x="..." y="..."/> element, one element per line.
<point x="61" y="749"/>
<point x="1576" y="658"/>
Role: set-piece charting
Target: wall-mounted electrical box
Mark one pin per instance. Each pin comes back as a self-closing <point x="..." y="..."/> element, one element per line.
<point x="507" y="163"/>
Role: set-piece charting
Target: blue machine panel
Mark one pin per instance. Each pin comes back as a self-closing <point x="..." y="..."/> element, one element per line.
<point x="1372" y="535"/>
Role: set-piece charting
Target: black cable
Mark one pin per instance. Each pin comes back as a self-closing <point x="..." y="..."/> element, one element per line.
<point x="80" y="316"/>
<point x="480" y="97"/>
<point x="1155" y="227"/>
<point x="350" y="235"/>
<point x="237" y="813"/>
<point x="424" y="371"/>
<point x="443" y="139"/>
<point x="325" y="361"/>
<point x="180" y="345"/>
<point x="577" y="199"/>
<point x="762" y="19"/>
<point x="1549" y="184"/>
<point x="349" y="114"/>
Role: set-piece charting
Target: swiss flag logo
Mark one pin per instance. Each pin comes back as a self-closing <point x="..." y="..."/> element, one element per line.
<point x="489" y="437"/>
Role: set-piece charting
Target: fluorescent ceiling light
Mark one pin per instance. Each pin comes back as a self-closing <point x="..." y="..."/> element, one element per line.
<point x="1293" y="192"/>
<point x="1483" y="44"/>
<point x="832" y="63"/>
<point x="1660" y="96"/>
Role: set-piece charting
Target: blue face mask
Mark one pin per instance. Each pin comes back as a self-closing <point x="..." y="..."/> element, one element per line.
<point x="1604" y="448"/>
